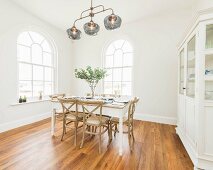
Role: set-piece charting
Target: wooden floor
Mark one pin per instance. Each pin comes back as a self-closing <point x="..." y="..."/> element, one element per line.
<point x="157" y="147"/>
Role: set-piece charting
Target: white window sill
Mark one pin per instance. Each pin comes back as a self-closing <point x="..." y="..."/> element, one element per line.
<point x="30" y="102"/>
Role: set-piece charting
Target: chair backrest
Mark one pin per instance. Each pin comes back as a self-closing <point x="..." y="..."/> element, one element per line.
<point x="55" y="97"/>
<point x="69" y="106"/>
<point x="131" y="109"/>
<point x="91" y="107"/>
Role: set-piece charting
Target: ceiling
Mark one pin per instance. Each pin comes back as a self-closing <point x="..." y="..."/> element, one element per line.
<point x="62" y="13"/>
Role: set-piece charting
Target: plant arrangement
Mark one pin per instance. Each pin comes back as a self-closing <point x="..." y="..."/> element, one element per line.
<point x="91" y="76"/>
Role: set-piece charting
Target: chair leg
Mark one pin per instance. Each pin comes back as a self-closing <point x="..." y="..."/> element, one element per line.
<point x="93" y="130"/>
<point x="82" y="141"/>
<point x="54" y="119"/>
<point x="99" y="139"/>
<point x="116" y="130"/>
<point x="133" y="135"/>
<point x="76" y="128"/>
<point x="109" y="132"/>
<point x="64" y="128"/>
<point x="129" y="138"/>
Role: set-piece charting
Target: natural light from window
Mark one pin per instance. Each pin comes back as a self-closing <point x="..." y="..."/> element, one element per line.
<point x="35" y="64"/>
<point x="118" y="63"/>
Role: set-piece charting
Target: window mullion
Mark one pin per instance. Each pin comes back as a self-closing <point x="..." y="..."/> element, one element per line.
<point x="31" y="68"/>
<point x="43" y="68"/>
<point x="43" y="79"/>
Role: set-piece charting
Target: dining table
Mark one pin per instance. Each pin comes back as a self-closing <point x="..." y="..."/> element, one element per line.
<point x="117" y="107"/>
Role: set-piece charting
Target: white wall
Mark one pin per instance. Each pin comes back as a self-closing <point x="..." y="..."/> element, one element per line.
<point x="203" y="4"/>
<point x="155" y="41"/>
<point x="13" y="21"/>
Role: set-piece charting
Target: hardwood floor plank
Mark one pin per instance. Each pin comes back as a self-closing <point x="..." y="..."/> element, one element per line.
<point x="156" y="147"/>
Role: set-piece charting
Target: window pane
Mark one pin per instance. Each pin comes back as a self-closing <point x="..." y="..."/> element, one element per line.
<point x="127" y="74"/>
<point x="24" y="39"/>
<point x="110" y="50"/>
<point x="118" y="44"/>
<point x="23" y="53"/>
<point x="109" y="75"/>
<point x="48" y="88"/>
<point x="127" y="59"/>
<point x="36" y="54"/>
<point x="108" y="88"/>
<point x="117" y="88"/>
<point x="38" y="73"/>
<point x="126" y="88"/>
<point x="48" y="74"/>
<point x="118" y="58"/>
<point x="127" y="47"/>
<point x="37" y="88"/>
<point x="25" y="88"/>
<point x="108" y="61"/>
<point x="209" y="36"/>
<point x="46" y="47"/>
<point x="37" y="38"/>
<point x="47" y="60"/>
<point x="25" y="71"/>
<point x="117" y="74"/>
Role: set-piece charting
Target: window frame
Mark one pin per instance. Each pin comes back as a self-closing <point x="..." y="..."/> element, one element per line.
<point x="118" y="67"/>
<point x="52" y="66"/>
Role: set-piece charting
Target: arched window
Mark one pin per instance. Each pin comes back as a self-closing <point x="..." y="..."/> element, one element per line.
<point x="118" y="63"/>
<point x="35" y="65"/>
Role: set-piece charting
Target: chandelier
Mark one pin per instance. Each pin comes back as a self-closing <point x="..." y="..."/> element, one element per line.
<point x="111" y="22"/>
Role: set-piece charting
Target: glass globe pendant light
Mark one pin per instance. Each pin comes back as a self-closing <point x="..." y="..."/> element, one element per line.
<point x="112" y="22"/>
<point x="74" y="33"/>
<point x="91" y="28"/>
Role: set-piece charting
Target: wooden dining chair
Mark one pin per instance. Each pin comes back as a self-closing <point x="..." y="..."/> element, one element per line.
<point x="70" y="115"/>
<point x="128" y="121"/>
<point x="93" y="119"/>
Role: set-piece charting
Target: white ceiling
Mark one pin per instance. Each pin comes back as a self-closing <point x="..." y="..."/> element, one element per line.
<point x="62" y="13"/>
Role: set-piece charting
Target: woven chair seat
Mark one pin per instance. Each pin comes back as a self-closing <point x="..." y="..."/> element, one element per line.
<point x="74" y="117"/>
<point x="95" y="120"/>
<point x="116" y="120"/>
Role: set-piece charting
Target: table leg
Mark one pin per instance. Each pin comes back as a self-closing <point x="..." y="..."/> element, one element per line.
<point x="53" y="122"/>
<point x="121" y="135"/>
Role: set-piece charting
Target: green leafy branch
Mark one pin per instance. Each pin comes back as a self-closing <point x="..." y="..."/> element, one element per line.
<point x="92" y="76"/>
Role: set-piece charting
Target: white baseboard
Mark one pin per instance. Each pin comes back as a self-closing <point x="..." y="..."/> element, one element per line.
<point x="14" y="124"/>
<point x="156" y="118"/>
<point x="138" y="116"/>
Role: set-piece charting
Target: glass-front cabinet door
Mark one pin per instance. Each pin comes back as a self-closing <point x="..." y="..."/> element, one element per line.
<point x="190" y="81"/>
<point x="209" y="63"/>
<point x="181" y="78"/>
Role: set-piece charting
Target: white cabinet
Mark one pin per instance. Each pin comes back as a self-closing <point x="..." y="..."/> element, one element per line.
<point x="195" y="92"/>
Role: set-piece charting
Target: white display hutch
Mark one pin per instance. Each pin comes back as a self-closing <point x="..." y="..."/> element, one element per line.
<point x="195" y="92"/>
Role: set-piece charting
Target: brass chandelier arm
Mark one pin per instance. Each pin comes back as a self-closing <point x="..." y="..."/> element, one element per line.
<point x="92" y="8"/>
<point x="104" y="10"/>
<point x="99" y="6"/>
<point x="84" y="12"/>
<point x="80" y="19"/>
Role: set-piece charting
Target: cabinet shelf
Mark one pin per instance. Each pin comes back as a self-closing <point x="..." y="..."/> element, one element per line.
<point x="191" y="80"/>
<point x="209" y="51"/>
<point x="209" y="103"/>
<point x="208" y="78"/>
